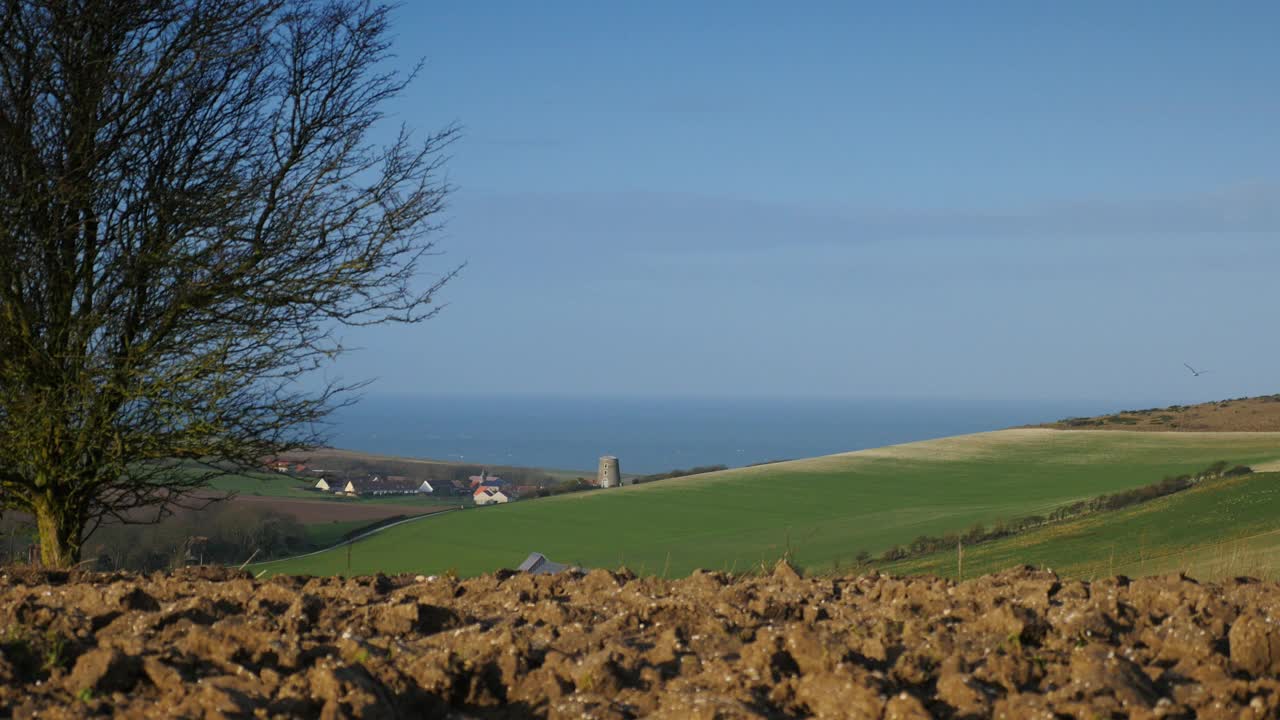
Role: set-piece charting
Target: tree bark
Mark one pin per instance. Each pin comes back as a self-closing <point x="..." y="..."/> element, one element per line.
<point x="60" y="533"/>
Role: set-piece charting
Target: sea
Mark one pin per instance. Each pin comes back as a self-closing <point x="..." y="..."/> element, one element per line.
<point x="652" y="435"/>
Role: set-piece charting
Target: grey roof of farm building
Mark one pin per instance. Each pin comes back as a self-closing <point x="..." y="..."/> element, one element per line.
<point x="538" y="564"/>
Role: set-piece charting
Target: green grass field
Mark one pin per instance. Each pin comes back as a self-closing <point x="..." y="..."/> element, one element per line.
<point x="326" y="534"/>
<point x="1221" y="528"/>
<point x="822" y="511"/>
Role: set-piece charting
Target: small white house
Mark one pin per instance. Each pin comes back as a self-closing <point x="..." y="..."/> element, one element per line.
<point x="489" y="496"/>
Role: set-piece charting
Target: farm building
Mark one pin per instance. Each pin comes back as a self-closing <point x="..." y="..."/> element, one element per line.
<point x="488" y="495"/>
<point x="538" y="564"/>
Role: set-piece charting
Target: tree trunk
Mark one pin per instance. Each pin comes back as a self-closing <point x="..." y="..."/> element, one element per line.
<point x="60" y="532"/>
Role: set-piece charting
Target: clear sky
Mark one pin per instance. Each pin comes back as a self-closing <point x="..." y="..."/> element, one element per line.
<point x="961" y="200"/>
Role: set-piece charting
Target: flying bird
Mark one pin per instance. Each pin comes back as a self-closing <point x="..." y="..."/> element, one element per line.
<point x="1195" y="372"/>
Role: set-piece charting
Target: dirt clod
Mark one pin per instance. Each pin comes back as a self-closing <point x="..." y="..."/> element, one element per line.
<point x="1255" y="645"/>
<point x="1020" y="644"/>
<point x="102" y="670"/>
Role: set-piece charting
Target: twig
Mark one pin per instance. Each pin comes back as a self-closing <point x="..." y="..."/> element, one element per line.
<point x="251" y="557"/>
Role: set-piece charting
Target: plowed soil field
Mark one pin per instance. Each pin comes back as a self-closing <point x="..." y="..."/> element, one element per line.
<point x="1020" y="644"/>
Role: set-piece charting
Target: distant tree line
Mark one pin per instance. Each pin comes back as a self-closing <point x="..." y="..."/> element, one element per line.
<point x="926" y="544"/>
<point x="17" y="533"/>
<point x="582" y="483"/>
<point x="225" y="534"/>
<point x="566" y="486"/>
<point x="513" y="475"/>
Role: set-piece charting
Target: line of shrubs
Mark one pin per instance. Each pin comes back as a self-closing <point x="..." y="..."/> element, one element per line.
<point x="926" y="544"/>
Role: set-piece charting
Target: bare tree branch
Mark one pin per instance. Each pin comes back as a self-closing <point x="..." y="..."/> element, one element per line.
<point x="189" y="205"/>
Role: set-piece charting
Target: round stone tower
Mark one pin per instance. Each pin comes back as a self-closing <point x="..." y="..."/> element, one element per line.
<point x="609" y="476"/>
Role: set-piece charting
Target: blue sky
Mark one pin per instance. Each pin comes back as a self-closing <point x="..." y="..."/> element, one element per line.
<point x="987" y="200"/>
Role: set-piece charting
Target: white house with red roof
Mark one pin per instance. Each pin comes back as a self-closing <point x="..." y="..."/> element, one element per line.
<point x="489" y="495"/>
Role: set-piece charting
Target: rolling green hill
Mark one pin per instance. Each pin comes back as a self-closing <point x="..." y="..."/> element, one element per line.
<point x="821" y="510"/>
<point x="1222" y="528"/>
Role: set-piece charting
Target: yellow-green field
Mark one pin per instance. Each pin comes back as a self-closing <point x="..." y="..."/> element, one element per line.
<point x="822" y="511"/>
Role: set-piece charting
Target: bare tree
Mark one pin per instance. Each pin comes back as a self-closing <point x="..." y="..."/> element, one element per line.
<point x="191" y="205"/>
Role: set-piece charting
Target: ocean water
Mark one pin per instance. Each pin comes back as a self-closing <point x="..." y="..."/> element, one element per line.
<point x="652" y="435"/>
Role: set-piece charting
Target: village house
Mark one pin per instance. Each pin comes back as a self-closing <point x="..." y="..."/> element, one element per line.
<point x="286" y="466"/>
<point x="489" y="495"/>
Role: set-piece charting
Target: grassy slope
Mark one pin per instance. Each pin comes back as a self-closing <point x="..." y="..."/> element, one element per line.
<point x="326" y="534"/>
<point x="824" y="509"/>
<point x="1221" y="528"/>
<point x="1257" y="414"/>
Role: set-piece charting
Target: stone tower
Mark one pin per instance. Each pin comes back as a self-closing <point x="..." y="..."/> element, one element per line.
<point x="608" y="475"/>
